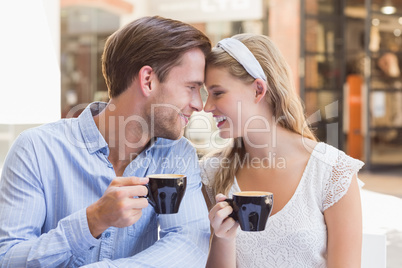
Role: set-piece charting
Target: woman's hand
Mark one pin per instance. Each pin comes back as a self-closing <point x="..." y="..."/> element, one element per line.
<point x="223" y="247"/>
<point x="224" y="226"/>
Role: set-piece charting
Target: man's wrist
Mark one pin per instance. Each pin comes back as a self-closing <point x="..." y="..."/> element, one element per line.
<point x="94" y="224"/>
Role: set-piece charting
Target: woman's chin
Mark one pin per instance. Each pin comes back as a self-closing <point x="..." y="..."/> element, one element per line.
<point x="226" y="134"/>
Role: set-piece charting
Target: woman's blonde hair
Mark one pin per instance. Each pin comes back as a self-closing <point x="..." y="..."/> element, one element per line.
<point x="281" y="96"/>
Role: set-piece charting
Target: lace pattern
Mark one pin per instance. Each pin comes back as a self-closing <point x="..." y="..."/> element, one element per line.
<point x="341" y="168"/>
<point x="207" y="176"/>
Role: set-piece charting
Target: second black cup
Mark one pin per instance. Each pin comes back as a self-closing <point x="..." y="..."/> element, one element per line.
<point x="251" y="209"/>
<point x="165" y="192"/>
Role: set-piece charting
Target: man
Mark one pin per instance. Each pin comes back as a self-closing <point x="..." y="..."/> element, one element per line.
<point x="70" y="191"/>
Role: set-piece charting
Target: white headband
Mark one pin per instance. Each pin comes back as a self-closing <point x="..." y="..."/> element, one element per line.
<point x="243" y="55"/>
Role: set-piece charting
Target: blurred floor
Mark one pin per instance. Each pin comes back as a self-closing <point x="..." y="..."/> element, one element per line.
<point x="386" y="182"/>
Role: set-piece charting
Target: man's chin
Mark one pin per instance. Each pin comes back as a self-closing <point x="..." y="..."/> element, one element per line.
<point x="171" y="135"/>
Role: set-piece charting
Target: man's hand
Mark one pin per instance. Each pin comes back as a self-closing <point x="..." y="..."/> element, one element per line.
<point x="118" y="206"/>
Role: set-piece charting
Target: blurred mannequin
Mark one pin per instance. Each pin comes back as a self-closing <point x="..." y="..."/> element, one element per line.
<point x="388" y="63"/>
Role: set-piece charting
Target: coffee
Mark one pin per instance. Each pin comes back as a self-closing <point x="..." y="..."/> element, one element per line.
<point x="165" y="192"/>
<point x="252" y="193"/>
<point x="251" y="209"/>
<point x="165" y="176"/>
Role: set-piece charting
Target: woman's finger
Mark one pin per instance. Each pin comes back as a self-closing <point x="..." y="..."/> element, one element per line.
<point x="216" y="208"/>
<point x="227" y="229"/>
<point x="220" y="216"/>
<point x="220" y="198"/>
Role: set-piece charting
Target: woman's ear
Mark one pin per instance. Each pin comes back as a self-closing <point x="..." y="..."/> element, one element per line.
<point x="260" y="87"/>
<point x="145" y="76"/>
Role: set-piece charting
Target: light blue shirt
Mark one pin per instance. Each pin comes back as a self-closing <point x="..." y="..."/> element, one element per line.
<point x="53" y="172"/>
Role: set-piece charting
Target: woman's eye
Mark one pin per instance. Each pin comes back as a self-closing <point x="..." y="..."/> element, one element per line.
<point x="216" y="94"/>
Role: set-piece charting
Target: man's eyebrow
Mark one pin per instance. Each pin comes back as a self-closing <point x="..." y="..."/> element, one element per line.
<point x="198" y="83"/>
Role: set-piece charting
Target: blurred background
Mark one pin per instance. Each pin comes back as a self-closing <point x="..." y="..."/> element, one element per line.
<point x="345" y="56"/>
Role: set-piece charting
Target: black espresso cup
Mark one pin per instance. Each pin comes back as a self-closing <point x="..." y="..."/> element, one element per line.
<point x="165" y="192"/>
<point x="251" y="209"/>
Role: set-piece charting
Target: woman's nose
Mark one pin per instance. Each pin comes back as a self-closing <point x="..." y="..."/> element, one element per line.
<point x="209" y="106"/>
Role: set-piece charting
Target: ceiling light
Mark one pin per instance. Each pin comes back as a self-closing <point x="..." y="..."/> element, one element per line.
<point x="388" y="7"/>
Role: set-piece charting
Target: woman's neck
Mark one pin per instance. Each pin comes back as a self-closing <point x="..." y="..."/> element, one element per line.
<point x="276" y="146"/>
<point x="260" y="144"/>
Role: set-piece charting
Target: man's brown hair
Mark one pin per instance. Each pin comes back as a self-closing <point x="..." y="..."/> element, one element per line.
<point x="154" y="41"/>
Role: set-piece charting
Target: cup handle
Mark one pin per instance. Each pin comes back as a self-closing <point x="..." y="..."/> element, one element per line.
<point x="233" y="215"/>
<point x="148" y="196"/>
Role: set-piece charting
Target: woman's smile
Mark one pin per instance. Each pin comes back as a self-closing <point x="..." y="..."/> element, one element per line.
<point x="220" y="120"/>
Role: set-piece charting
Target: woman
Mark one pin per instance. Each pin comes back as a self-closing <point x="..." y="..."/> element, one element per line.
<point x="316" y="218"/>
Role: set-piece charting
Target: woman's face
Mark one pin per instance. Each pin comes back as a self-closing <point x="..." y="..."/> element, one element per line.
<point x="230" y="100"/>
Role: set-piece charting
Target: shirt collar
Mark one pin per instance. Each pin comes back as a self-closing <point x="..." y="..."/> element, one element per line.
<point x="93" y="139"/>
<point x="150" y="145"/>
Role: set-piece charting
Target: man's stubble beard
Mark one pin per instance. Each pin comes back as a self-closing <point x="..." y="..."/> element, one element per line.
<point x="163" y="120"/>
<point x="165" y="124"/>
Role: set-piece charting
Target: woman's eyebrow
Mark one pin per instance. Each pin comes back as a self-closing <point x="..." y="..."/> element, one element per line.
<point x="213" y="87"/>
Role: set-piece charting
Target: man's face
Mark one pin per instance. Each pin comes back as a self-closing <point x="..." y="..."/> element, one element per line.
<point x="179" y="96"/>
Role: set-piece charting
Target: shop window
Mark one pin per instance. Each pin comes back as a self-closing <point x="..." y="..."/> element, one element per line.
<point x="321" y="84"/>
<point x="84" y="31"/>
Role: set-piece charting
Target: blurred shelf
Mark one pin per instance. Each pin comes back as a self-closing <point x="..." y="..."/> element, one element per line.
<point x="323" y="89"/>
<point x="385" y="128"/>
<point x="377" y="12"/>
<point x="322" y="17"/>
<point x="390" y="90"/>
<point x="317" y="53"/>
<point x="379" y="53"/>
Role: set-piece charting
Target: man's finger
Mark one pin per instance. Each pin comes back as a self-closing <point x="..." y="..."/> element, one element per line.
<point x="129" y="181"/>
<point x="138" y="190"/>
<point x="138" y="203"/>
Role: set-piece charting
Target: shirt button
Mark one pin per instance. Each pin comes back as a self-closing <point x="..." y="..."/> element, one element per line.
<point x="91" y="248"/>
<point x="107" y="235"/>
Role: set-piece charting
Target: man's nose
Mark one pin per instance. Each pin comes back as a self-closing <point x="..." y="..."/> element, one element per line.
<point x="196" y="101"/>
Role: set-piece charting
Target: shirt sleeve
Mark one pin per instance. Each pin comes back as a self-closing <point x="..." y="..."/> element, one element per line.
<point x="184" y="237"/>
<point x="341" y="172"/>
<point x="23" y="212"/>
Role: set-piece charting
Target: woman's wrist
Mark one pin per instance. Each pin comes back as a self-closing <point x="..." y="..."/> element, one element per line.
<point x="224" y="240"/>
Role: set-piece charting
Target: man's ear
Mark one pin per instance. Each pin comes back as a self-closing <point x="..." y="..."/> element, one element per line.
<point x="145" y="76"/>
<point x="260" y="87"/>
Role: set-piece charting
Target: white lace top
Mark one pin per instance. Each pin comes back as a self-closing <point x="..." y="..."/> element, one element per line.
<point x="295" y="236"/>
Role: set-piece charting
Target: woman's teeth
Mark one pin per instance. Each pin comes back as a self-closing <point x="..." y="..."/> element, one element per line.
<point x="220" y="118"/>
